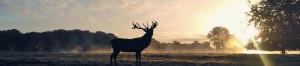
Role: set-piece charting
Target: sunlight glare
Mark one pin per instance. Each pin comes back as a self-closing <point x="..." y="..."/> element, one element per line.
<point x="233" y="17"/>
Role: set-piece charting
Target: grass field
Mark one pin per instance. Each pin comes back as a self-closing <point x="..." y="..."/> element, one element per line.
<point x="148" y="59"/>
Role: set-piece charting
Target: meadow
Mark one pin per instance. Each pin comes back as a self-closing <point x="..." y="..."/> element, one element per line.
<point x="148" y="59"/>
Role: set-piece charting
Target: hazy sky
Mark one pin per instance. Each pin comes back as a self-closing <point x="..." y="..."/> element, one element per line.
<point x="182" y="20"/>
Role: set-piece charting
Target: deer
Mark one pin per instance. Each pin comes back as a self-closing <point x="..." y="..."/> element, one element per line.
<point x="136" y="45"/>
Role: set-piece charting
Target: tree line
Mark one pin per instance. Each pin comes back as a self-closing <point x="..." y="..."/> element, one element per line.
<point x="53" y="41"/>
<point x="178" y="47"/>
<point x="81" y="41"/>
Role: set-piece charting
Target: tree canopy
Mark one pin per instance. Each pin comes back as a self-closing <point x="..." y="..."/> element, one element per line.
<point x="219" y="35"/>
<point x="278" y="22"/>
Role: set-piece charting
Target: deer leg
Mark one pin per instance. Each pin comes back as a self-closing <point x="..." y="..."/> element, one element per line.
<point x="115" y="56"/>
<point x="139" y="53"/>
<point x="137" y="58"/>
<point x="111" y="56"/>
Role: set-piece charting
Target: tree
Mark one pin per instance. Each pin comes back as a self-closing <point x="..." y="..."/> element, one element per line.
<point x="196" y="42"/>
<point x="278" y="22"/>
<point x="219" y="35"/>
<point x="205" y="45"/>
<point x="250" y="45"/>
<point x="176" y="43"/>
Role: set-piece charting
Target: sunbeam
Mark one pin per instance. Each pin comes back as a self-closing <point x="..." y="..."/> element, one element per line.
<point x="263" y="57"/>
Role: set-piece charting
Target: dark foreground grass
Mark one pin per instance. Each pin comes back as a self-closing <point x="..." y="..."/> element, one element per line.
<point x="148" y="59"/>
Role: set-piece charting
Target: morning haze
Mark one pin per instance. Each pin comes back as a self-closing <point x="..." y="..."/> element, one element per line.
<point x="149" y="32"/>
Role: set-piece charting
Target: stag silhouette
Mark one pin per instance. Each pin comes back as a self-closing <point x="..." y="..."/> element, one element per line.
<point x="136" y="45"/>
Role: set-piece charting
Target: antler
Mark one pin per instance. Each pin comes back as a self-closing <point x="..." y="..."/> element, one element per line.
<point x="154" y="24"/>
<point x="136" y="26"/>
<point x="146" y="26"/>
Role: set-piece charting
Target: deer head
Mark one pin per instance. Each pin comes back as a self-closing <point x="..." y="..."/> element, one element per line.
<point x="146" y="27"/>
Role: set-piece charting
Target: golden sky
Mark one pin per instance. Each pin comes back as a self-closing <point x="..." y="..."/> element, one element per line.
<point x="181" y="20"/>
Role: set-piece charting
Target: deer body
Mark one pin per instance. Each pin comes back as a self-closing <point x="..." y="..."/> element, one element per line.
<point x="132" y="45"/>
<point x="136" y="45"/>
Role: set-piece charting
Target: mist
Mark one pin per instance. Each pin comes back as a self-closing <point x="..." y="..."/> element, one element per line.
<point x="79" y="41"/>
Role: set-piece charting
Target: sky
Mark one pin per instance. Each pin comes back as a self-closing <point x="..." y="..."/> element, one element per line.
<point x="180" y="20"/>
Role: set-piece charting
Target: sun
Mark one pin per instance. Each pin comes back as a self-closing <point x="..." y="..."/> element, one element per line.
<point x="234" y="18"/>
<point x="246" y="34"/>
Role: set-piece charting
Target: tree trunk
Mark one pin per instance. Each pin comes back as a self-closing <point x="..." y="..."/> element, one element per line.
<point x="283" y="51"/>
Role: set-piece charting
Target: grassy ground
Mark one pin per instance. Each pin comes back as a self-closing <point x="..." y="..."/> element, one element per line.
<point x="148" y="59"/>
